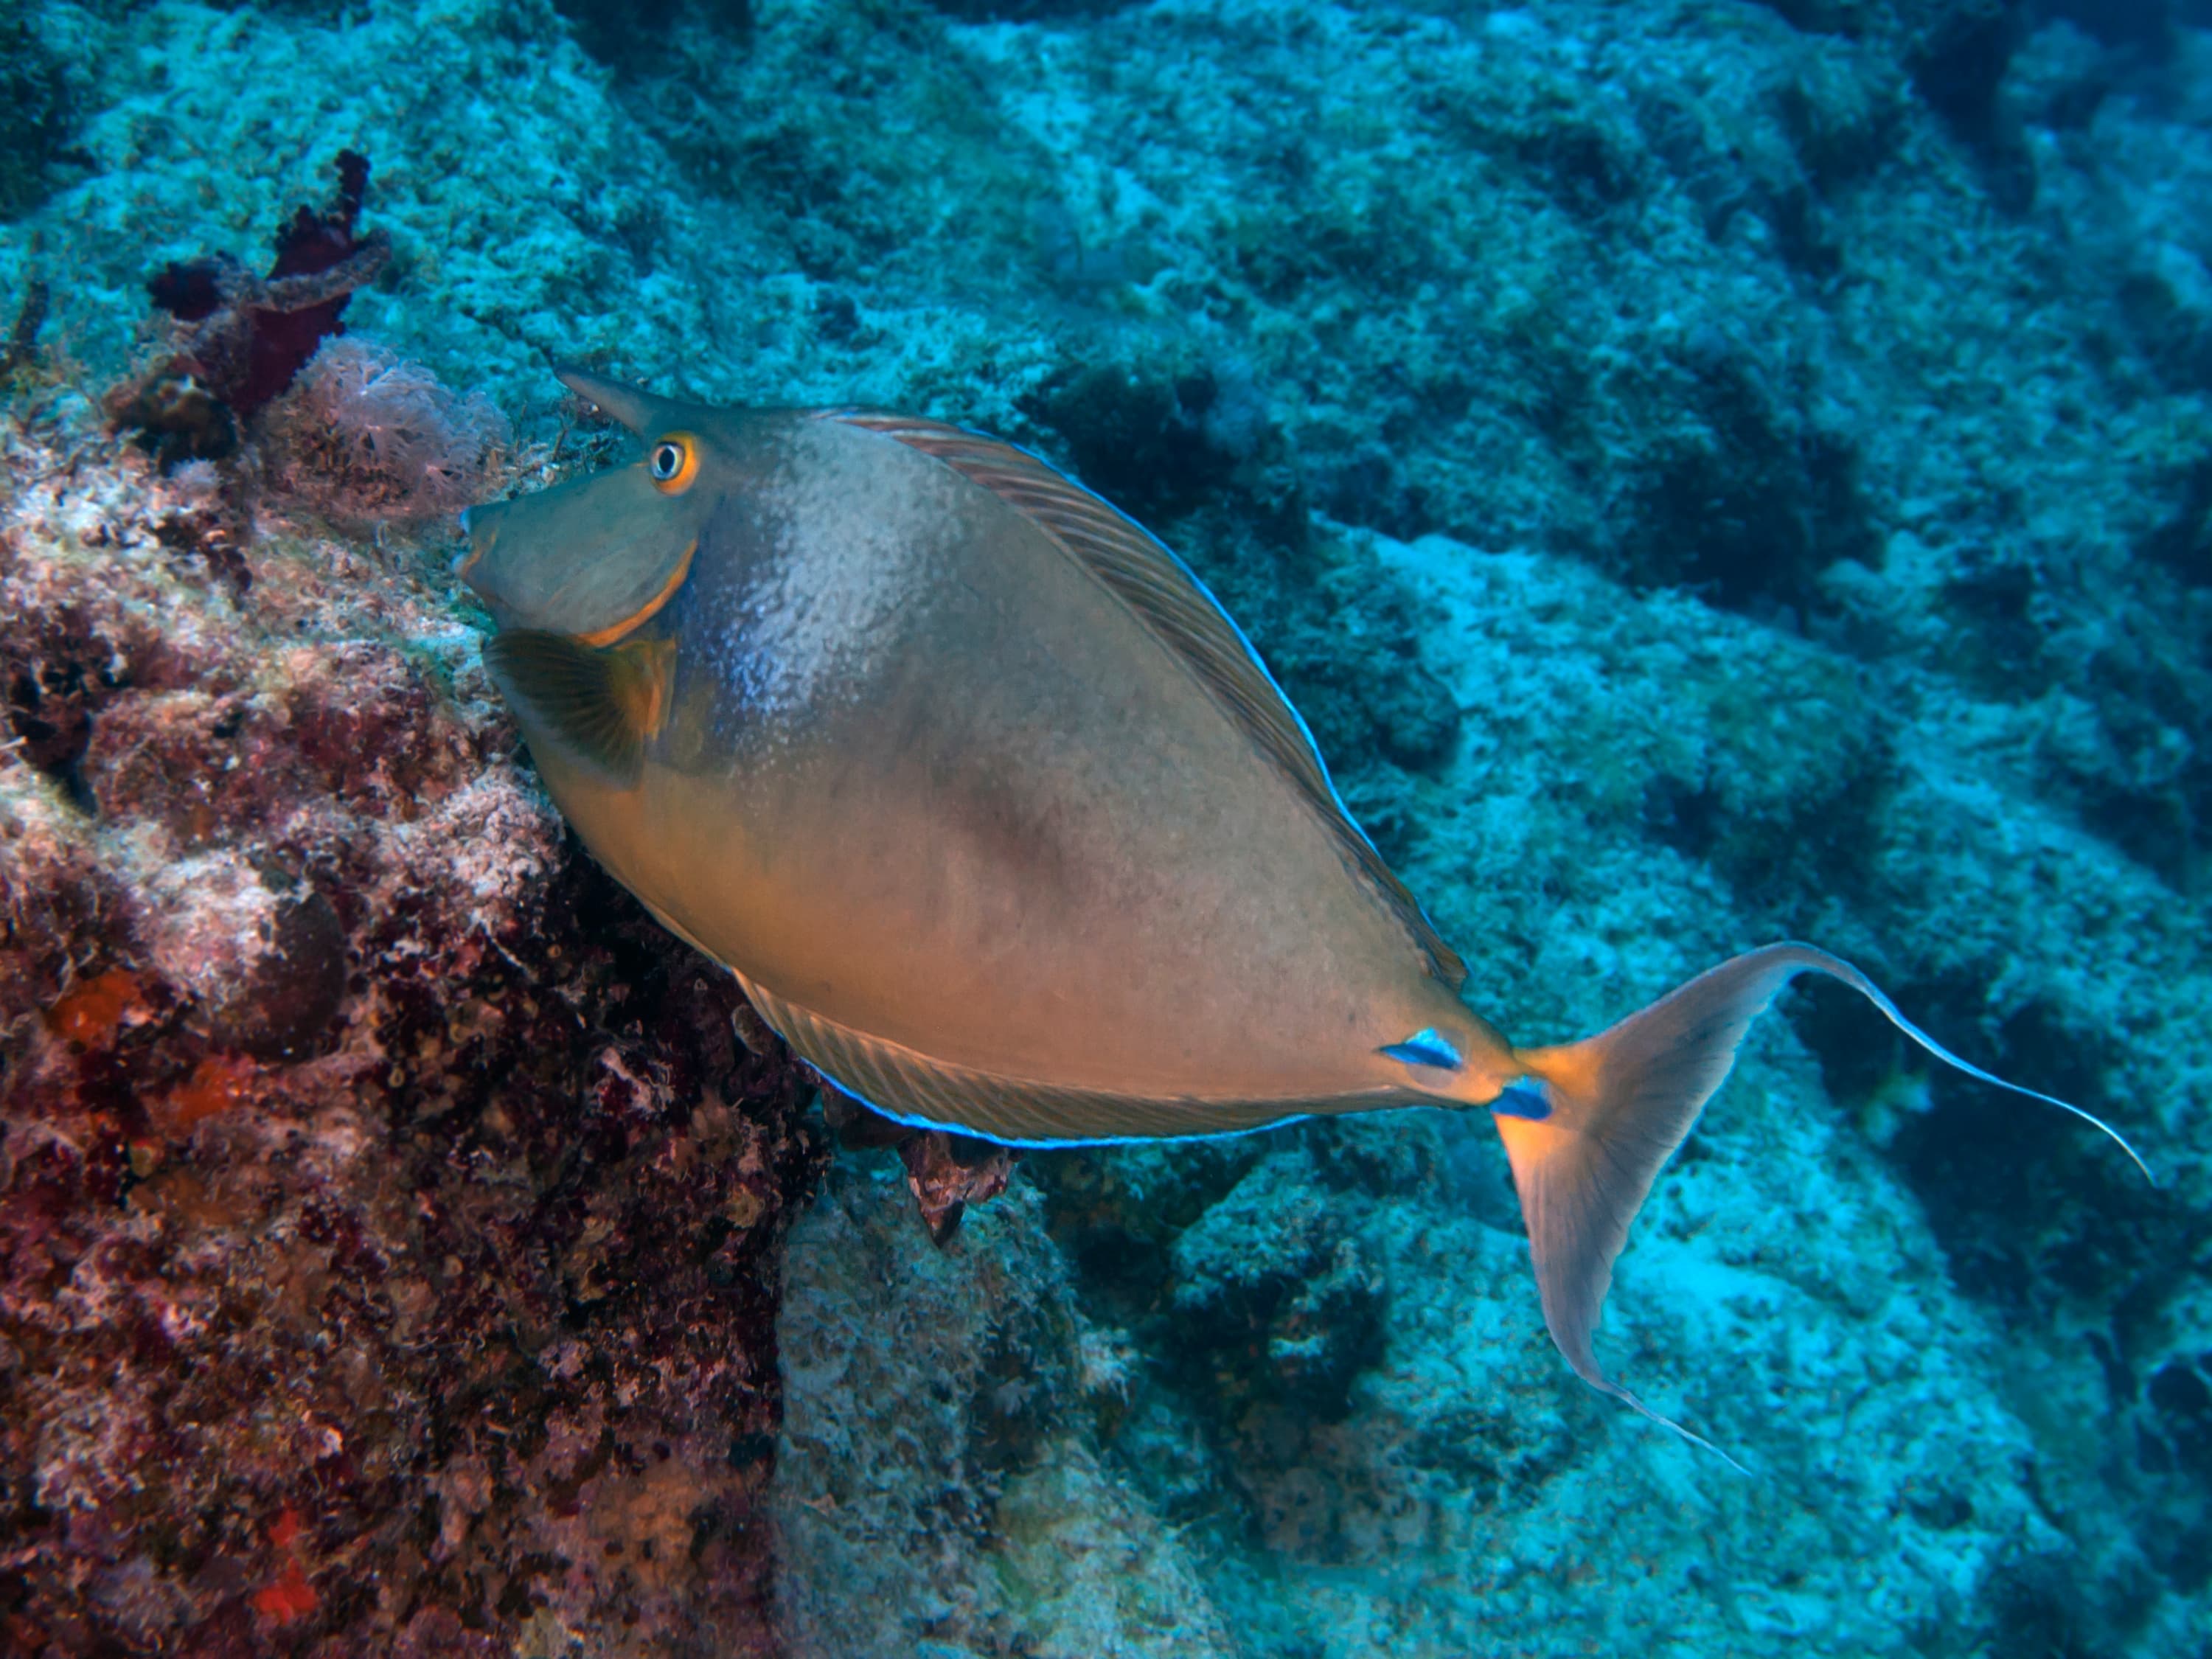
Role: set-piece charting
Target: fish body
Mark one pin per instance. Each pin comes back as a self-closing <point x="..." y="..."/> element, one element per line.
<point x="943" y="797"/>
<point x="1004" y="826"/>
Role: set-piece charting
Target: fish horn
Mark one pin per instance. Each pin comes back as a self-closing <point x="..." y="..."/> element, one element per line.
<point x="633" y="408"/>
<point x="1590" y="1128"/>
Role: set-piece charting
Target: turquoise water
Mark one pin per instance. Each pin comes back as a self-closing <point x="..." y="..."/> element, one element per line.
<point x="1707" y="472"/>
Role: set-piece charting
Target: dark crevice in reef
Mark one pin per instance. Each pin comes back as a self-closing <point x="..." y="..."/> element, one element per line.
<point x="2153" y="807"/>
<point x="1780" y="848"/>
<point x="1258" y="1293"/>
<point x="1161" y="437"/>
<point x="2182" y="543"/>
<point x="2173" y="1449"/>
<point x="1957" y="53"/>
<point x="49" y="709"/>
<point x="39" y="111"/>
<point x="1341" y="636"/>
<point x="2144" y="667"/>
<point x="2041" y="1612"/>
<point x="1749" y="496"/>
<point x="1958" y="59"/>
<point x="637" y="40"/>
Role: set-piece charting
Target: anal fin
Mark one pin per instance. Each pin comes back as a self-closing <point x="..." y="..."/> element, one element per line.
<point x="911" y="1088"/>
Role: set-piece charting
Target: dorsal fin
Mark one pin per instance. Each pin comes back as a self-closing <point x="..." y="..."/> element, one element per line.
<point x="903" y="1084"/>
<point x="1175" y="605"/>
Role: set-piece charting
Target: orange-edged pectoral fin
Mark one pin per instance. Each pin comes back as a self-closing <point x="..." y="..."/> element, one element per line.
<point x="1608" y="1111"/>
<point x="598" y="707"/>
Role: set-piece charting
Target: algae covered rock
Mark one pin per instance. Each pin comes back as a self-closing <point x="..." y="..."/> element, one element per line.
<point x="940" y="1488"/>
<point x="388" y="1213"/>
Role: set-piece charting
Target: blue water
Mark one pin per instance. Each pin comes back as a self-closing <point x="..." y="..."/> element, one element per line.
<point x="1706" y="472"/>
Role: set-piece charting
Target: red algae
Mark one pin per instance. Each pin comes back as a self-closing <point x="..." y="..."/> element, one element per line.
<point x="217" y="1084"/>
<point x="242" y="339"/>
<point x="285" y="1527"/>
<point x="290" y="1597"/>
<point x="90" y="1015"/>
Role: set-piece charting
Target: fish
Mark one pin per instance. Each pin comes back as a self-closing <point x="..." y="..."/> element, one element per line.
<point x="1003" y="826"/>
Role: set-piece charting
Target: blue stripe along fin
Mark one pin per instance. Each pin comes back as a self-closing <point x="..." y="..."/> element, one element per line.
<point x="910" y="1087"/>
<point x="1427" y="1047"/>
<point x="1175" y="605"/>
<point x="1527" y="1099"/>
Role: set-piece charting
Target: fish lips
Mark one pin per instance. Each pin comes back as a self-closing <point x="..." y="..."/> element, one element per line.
<point x="474" y="569"/>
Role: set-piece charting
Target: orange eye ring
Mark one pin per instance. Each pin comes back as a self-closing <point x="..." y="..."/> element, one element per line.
<point x="672" y="463"/>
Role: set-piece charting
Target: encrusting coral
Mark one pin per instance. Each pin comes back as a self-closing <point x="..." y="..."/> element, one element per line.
<point x="390" y="1215"/>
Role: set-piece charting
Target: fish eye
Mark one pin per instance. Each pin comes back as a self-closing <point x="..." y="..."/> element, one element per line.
<point x="673" y="463"/>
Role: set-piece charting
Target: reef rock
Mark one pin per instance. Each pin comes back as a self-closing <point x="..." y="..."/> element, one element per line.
<point x="389" y="1216"/>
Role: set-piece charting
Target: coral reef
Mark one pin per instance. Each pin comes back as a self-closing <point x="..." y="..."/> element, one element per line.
<point x="1706" y="468"/>
<point x="19" y="358"/>
<point x="940" y="1488"/>
<point x="389" y="1212"/>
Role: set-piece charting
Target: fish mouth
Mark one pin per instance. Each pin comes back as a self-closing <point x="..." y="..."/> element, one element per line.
<point x="483" y="530"/>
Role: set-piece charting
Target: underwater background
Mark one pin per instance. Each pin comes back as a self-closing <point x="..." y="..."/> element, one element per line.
<point x="1708" y="470"/>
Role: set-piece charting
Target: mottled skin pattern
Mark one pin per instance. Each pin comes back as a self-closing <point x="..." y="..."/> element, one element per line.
<point x="397" y="1279"/>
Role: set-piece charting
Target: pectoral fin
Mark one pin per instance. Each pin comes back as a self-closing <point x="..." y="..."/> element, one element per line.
<point x="597" y="707"/>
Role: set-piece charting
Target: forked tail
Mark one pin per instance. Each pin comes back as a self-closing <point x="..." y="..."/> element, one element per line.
<point x="1589" y="1130"/>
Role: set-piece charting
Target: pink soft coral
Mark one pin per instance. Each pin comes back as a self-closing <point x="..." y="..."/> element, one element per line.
<point x="364" y="437"/>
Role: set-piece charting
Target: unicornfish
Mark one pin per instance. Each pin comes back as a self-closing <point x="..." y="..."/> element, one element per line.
<point x="1004" y="826"/>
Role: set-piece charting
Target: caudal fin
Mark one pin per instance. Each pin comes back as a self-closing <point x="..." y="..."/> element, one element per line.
<point x="1589" y="1131"/>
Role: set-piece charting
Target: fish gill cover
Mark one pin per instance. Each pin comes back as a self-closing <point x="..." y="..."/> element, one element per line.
<point x="1705" y="471"/>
